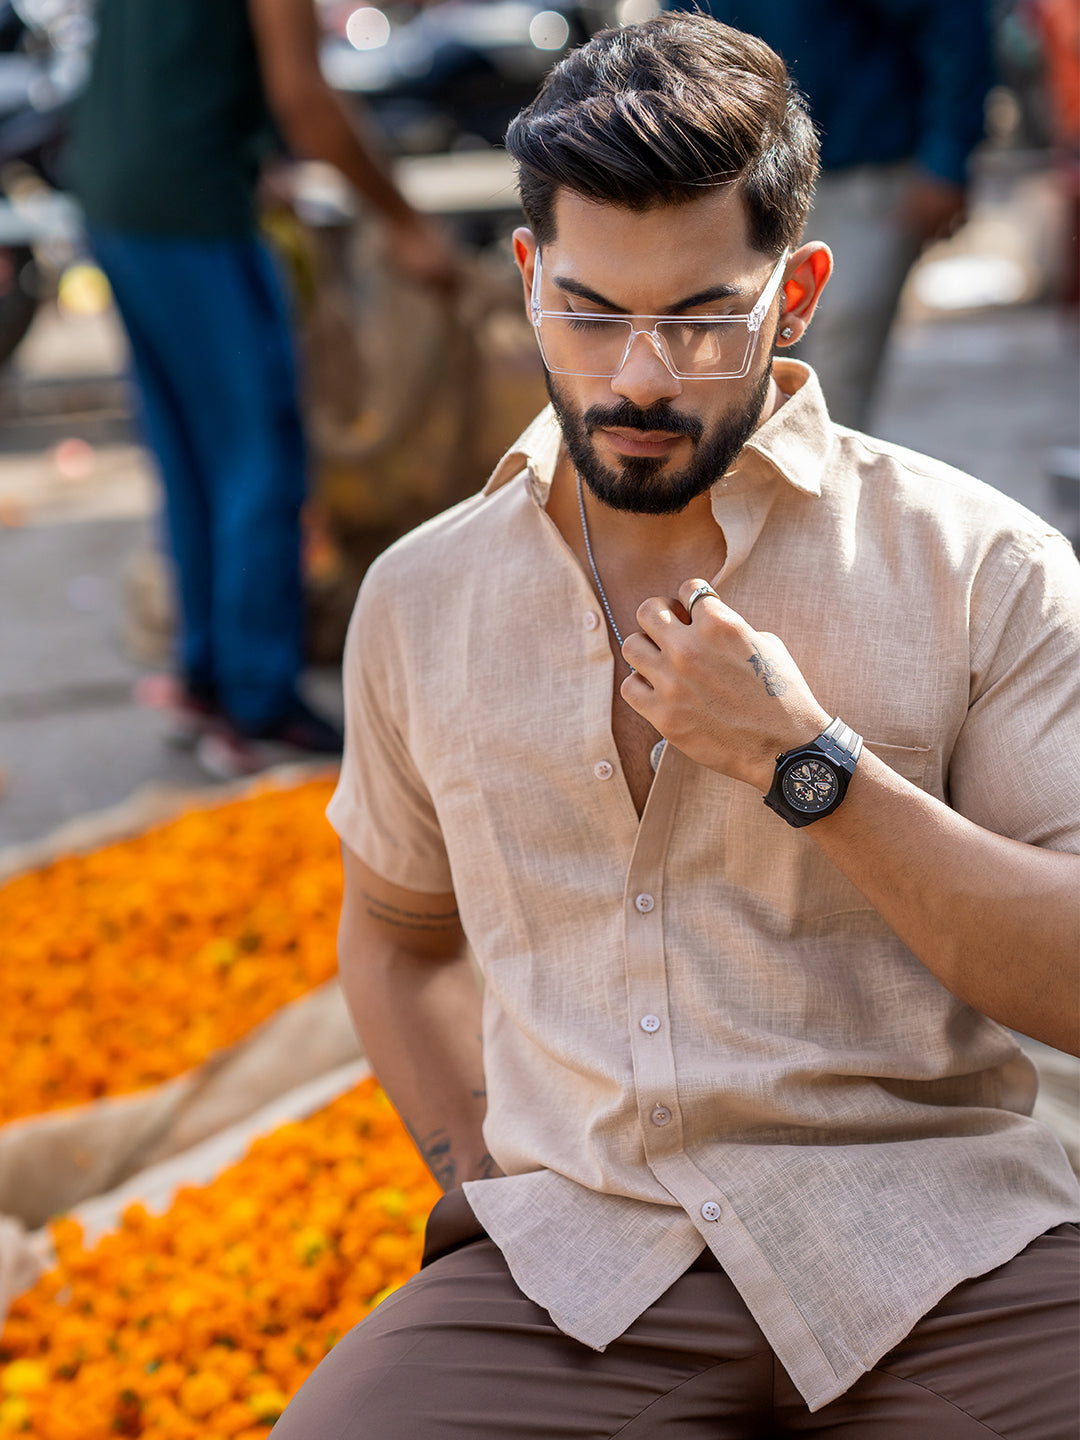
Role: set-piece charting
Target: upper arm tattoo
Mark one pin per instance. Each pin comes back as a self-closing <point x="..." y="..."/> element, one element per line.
<point x="437" y="922"/>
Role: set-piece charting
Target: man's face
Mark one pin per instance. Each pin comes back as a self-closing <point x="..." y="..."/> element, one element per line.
<point x="643" y="440"/>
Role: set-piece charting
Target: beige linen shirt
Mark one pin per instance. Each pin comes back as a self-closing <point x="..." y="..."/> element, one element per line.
<point x="696" y="1030"/>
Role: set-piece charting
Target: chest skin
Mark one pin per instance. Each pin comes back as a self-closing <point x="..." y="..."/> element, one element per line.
<point x="666" y="555"/>
<point x="633" y="735"/>
<point x="634" y="739"/>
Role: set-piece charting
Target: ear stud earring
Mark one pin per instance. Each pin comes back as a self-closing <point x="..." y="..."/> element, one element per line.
<point x="786" y="332"/>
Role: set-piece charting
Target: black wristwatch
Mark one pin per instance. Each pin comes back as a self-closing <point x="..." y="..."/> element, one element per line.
<point x="810" y="782"/>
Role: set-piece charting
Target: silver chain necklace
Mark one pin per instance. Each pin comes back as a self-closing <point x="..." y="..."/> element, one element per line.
<point x="592" y="567"/>
<point x="658" y="748"/>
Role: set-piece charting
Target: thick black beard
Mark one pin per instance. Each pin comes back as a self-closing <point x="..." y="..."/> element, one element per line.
<point x="637" y="486"/>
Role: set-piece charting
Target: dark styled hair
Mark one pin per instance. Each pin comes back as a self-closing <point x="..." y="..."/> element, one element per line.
<point x="654" y="114"/>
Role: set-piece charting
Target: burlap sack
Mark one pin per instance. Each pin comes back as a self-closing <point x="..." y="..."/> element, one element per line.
<point x="24" y="1257"/>
<point x="51" y="1162"/>
<point x="156" y="1186"/>
<point x="153" y="804"/>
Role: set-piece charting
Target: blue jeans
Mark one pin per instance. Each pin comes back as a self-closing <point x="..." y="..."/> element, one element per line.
<point x="213" y="359"/>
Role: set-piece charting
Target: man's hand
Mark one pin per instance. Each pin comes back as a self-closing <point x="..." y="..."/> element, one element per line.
<point x="318" y="125"/>
<point x="419" y="250"/>
<point x="724" y="694"/>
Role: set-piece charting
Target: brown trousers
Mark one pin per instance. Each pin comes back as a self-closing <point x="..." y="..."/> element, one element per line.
<point x="459" y="1353"/>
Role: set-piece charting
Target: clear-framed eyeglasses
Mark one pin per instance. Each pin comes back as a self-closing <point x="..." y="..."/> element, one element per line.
<point x="699" y="347"/>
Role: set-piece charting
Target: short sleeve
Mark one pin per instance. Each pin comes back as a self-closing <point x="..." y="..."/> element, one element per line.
<point x="381" y="808"/>
<point x="1014" y="765"/>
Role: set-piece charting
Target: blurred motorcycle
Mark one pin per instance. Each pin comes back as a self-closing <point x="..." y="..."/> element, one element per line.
<point x="44" y="63"/>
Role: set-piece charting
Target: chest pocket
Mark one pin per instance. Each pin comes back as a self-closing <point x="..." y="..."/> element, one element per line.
<point x="782" y="869"/>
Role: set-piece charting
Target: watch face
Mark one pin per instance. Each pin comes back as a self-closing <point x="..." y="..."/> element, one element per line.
<point x="810" y="786"/>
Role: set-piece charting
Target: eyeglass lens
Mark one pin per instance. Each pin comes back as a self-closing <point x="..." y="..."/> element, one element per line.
<point x="587" y="345"/>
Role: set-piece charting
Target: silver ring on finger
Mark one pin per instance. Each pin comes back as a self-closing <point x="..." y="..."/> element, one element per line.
<point x="699" y="594"/>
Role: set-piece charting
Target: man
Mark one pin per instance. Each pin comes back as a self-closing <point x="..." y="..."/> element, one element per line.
<point x="165" y="159"/>
<point x="744" y="1149"/>
<point x="896" y="89"/>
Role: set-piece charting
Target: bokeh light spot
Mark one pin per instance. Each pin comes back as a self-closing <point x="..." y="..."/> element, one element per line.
<point x="367" y="28"/>
<point x="549" y="30"/>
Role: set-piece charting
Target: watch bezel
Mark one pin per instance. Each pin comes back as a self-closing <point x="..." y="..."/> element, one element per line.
<point x="810" y="757"/>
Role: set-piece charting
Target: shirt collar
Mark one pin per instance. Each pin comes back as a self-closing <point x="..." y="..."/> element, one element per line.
<point x="537" y="451"/>
<point x="793" y="443"/>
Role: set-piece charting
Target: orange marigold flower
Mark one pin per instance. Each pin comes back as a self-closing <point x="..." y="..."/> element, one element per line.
<point x="267" y="1405"/>
<point x="14" y="1415"/>
<point x="23" y="1377"/>
<point x="202" y="1392"/>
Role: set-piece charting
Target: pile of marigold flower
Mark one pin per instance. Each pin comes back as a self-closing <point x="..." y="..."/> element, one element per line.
<point x="129" y="965"/>
<point x="201" y="1323"/>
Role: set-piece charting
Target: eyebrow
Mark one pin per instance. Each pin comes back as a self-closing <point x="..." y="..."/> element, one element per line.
<point x="701" y="297"/>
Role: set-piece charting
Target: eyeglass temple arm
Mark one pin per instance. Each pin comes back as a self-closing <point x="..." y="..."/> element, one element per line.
<point x="534" y="299"/>
<point x="757" y="315"/>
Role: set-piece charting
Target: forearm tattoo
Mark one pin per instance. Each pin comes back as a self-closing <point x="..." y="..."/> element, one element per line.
<point x="487" y="1169"/>
<point x="437" y="922"/>
<point x="436" y="1150"/>
<point x="766" y="670"/>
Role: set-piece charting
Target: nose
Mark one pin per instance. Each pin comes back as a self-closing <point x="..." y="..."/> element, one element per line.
<point x="644" y="377"/>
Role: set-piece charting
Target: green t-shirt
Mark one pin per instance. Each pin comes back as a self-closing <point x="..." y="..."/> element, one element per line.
<point x="168" y="137"/>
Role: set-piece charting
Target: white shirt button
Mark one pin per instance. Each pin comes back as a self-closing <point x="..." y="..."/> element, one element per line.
<point x="590" y="620"/>
<point x="661" y="1115"/>
<point x="710" y="1210"/>
<point x="603" y="770"/>
<point x="644" y="903"/>
<point x="650" y="1023"/>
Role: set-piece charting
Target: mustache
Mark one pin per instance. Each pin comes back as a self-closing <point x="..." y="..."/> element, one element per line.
<point x="631" y="417"/>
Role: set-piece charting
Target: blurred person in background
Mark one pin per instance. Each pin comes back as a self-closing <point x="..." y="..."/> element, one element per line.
<point x="168" y="141"/>
<point x="1057" y="22"/>
<point x="896" y="89"/>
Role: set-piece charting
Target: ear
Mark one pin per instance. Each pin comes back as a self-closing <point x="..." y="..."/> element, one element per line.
<point x="810" y="268"/>
<point x="525" y="255"/>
